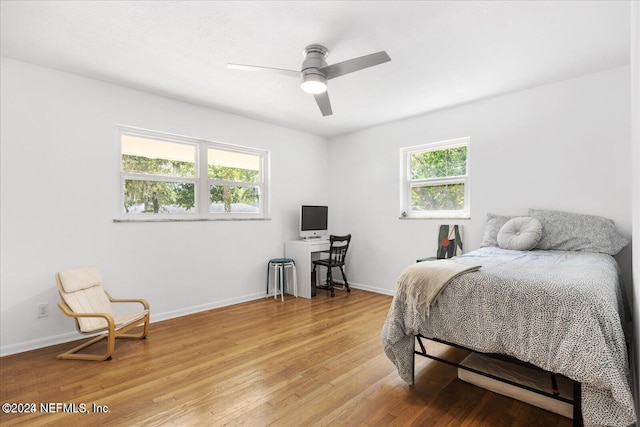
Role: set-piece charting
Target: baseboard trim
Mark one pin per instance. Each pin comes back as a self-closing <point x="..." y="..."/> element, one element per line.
<point x="203" y="307"/>
<point x="372" y="289"/>
<point x="21" y="347"/>
<point x="7" y="350"/>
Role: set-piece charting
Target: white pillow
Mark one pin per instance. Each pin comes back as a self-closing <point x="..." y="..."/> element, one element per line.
<point x="520" y="234"/>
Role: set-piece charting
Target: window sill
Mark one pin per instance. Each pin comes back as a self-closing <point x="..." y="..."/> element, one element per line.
<point x="189" y="219"/>
<point x="439" y="217"/>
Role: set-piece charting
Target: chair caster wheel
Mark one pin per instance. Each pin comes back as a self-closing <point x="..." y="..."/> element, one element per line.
<point x="108" y="358"/>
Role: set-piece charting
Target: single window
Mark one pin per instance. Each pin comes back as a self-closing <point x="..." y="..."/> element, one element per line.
<point x="161" y="178"/>
<point x="435" y="180"/>
<point x="234" y="179"/>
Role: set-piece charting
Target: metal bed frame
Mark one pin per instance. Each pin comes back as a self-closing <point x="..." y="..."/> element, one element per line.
<point x="555" y="394"/>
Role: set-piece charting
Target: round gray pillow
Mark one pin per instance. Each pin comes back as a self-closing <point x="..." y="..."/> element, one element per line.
<point x="520" y="234"/>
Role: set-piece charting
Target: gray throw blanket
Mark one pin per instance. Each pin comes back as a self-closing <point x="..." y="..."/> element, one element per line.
<point x="421" y="283"/>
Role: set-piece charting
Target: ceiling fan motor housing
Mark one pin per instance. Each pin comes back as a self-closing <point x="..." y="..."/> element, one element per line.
<point x="314" y="59"/>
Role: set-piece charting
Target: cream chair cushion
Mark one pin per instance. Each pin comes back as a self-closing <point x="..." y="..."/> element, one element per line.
<point x="83" y="293"/>
<point x="80" y="278"/>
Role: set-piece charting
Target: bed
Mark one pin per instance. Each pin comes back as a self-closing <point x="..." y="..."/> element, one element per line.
<point x="558" y="306"/>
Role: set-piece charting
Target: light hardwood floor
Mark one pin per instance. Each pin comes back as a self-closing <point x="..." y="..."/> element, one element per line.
<point x="266" y="362"/>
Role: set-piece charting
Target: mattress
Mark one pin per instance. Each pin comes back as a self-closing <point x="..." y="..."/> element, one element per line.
<point x="522" y="375"/>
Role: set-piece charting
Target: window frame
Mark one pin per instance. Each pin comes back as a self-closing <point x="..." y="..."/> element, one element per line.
<point x="407" y="183"/>
<point x="201" y="179"/>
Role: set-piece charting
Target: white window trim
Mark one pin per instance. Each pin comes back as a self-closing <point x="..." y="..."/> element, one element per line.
<point x="406" y="183"/>
<point x="201" y="180"/>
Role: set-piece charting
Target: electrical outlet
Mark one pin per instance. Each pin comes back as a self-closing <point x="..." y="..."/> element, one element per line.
<point x="43" y="309"/>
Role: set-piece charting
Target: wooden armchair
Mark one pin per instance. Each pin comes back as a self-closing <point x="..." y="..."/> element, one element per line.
<point x="84" y="299"/>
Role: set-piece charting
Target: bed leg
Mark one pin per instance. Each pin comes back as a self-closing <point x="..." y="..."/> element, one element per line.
<point x="577" y="404"/>
<point x="413" y="360"/>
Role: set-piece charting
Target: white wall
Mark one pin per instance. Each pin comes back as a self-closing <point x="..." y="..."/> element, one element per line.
<point x="561" y="146"/>
<point x="59" y="189"/>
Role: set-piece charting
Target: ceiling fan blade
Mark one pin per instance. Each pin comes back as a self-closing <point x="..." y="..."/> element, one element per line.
<point x="289" y="73"/>
<point x="355" y="64"/>
<point x="322" y="99"/>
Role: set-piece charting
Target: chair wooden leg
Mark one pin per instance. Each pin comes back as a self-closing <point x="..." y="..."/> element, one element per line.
<point x="138" y="336"/>
<point x="74" y="355"/>
<point x="330" y="281"/>
<point x="111" y="343"/>
<point x="344" y="277"/>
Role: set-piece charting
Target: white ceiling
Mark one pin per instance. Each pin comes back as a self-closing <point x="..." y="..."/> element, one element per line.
<point x="443" y="53"/>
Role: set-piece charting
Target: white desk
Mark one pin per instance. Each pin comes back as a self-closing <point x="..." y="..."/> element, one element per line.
<point x="303" y="252"/>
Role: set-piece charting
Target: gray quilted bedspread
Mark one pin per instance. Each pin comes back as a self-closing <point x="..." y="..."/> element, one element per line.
<point x="558" y="310"/>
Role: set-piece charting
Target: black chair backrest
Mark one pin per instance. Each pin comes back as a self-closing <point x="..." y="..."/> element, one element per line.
<point x="338" y="248"/>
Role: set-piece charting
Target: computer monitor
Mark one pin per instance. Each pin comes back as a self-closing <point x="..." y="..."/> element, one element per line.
<point x="314" y="221"/>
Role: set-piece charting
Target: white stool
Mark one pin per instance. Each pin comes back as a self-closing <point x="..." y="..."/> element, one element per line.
<point x="279" y="267"/>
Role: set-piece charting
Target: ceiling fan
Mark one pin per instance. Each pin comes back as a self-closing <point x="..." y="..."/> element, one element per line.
<point x="315" y="72"/>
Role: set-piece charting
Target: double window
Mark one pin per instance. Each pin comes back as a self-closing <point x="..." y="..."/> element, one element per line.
<point x="171" y="177"/>
<point x="435" y="180"/>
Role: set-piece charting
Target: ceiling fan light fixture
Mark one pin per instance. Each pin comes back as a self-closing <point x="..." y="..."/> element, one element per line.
<point x="315" y="72"/>
<point x="314" y="84"/>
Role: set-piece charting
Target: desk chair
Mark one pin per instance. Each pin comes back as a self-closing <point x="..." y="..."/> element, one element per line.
<point x="337" y="256"/>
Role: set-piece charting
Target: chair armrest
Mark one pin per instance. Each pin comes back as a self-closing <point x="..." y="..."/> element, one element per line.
<point x="66" y="310"/>
<point x="144" y="302"/>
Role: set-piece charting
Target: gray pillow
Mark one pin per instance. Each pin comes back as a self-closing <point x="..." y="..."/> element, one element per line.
<point x="576" y="232"/>
<point x="492" y="227"/>
<point x="520" y="234"/>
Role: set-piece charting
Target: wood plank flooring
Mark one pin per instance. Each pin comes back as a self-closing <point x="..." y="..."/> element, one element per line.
<point x="300" y="362"/>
